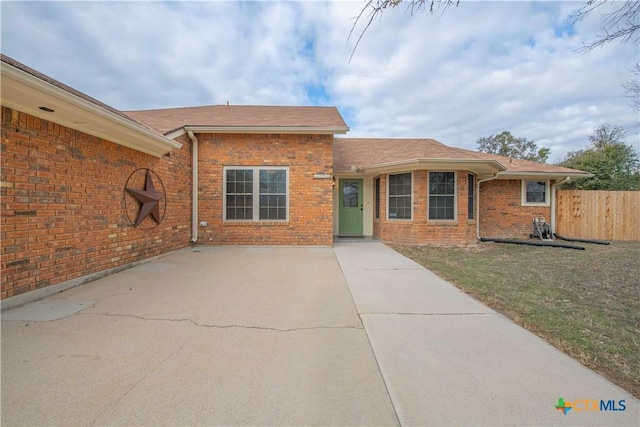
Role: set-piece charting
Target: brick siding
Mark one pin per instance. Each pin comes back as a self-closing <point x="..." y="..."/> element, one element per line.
<point x="501" y="212"/>
<point x="63" y="203"/>
<point x="420" y="230"/>
<point x="310" y="200"/>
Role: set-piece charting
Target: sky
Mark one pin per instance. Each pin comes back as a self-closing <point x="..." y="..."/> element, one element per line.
<point x="457" y="75"/>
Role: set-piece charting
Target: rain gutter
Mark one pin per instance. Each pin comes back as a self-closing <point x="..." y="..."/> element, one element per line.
<point x="194" y="187"/>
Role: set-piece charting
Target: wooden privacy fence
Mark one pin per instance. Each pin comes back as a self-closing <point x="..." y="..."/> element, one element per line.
<point x="604" y="215"/>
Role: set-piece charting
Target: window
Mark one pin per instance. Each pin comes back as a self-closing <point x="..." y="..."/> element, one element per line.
<point x="471" y="180"/>
<point x="400" y="196"/>
<point x="442" y="195"/>
<point x="268" y="194"/>
<point x="535" y="193"/>
<point x="350" y="194"/>
<point x="273" y="194"/>
<point x="239" y="196"/>
<point x="377" y="196"/>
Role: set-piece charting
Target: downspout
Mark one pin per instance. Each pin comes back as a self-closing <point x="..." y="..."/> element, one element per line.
<point x="491" y="178"/>
<point x="194" y="188"/>
<point x="553" y="201"/>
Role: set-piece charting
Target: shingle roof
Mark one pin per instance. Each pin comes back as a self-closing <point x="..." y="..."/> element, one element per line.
<point x="376" y="152"/>
<point x="370" y="152"/>
<point x="242" y="116"/>
<point x="514" y="165"/>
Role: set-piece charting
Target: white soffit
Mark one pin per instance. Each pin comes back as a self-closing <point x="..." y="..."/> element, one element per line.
<point x="27" y="93"/>
<point x="477" y="166"/>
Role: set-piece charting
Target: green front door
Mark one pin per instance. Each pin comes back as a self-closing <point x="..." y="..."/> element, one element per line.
<point x="350" y="209"/>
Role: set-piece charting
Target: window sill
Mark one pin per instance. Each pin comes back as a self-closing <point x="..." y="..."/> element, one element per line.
<point x="535" y="205"/>
<point x="256" y="223"/>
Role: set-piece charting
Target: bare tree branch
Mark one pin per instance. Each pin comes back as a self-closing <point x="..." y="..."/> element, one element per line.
<point x="633" y="87"/>
<point x="623" y="23"/>
<point x="375" y="8"/>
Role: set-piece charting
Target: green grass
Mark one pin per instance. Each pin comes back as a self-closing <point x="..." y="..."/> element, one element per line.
<point x="586" y="303"/>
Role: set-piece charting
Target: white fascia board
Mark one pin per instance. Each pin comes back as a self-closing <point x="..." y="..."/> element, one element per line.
<point x="478" y="166"/>
<point x="306" y="130"/>
<point x="543" y="175"/>
<point x="26" y="93"/>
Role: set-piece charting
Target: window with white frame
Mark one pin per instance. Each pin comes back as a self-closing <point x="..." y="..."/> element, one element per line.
<point x="400" y="196"/>
<point x="535" y="193"/>
<point x="442" y="196"/>
<point x="256" y="193"/>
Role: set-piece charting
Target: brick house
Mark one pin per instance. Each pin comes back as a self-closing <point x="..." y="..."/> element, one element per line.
<point x="88" y="189"/>
<point x="422" y="191"/>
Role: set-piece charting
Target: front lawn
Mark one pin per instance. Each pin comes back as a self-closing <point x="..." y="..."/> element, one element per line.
<point x="586" y="303"/>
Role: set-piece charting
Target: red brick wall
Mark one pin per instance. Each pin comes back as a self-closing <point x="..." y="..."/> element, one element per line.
<point x="501" y="212"/>
<point x="63" y="213"/>
<point x="420" y="230"/>
<point x="310" y="200"/>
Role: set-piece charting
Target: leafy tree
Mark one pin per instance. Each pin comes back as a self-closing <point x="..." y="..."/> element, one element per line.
<point x="506" y="144"/>
<point x="614" y="164"/>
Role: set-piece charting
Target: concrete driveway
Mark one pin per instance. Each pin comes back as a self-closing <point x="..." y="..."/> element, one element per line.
<point x="351" y="335"/>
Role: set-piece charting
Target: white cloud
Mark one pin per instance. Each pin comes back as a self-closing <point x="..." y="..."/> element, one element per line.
<point x="477" y="69"/>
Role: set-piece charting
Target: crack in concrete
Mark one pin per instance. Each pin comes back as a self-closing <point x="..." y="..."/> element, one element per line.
<point x="144" y="377"/>
<point x="64" y="356"/>
<point x="205" y="325"/>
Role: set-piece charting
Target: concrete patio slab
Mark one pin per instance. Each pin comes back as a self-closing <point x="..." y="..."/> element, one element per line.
<point x="351" y="335"/>
<point x="276" y="287"/>
<point x="202" y="336"/>
<point x="242" y="376"/>
<point x="68" y="371"/>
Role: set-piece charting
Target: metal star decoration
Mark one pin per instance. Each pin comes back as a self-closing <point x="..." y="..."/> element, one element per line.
<point x="149" y="198"/>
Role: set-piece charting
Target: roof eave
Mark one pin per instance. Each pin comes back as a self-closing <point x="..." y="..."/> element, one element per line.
<point x="478" y="166"/>
<point x="299" y="130"/>
<point x="25" y="92"/>
<point x="545" y="175"/>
